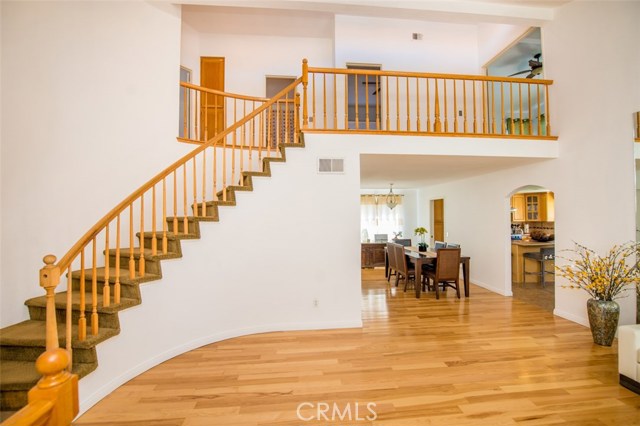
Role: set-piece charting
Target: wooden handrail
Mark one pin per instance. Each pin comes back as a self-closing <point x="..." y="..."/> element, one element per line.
<point x="220" y="93"/>
<point x="66" y="260"/>
<point x="637" y="126"/>
<point x="352" y="71"/>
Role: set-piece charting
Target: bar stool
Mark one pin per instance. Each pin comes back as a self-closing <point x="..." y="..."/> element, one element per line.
<point x="541" y="257"/>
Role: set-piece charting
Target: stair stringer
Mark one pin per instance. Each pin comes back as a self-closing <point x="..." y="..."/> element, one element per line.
<point x="263" y="267"/>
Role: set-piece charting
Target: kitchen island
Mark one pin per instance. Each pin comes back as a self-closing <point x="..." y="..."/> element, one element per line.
<point x="520" y="247"/>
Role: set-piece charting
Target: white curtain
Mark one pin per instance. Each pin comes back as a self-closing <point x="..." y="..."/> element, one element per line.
<point x="377" y="218"/>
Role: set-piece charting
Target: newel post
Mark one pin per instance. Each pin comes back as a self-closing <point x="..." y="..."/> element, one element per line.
<point x="305" y="82"/>
<point x="57" y="384"/>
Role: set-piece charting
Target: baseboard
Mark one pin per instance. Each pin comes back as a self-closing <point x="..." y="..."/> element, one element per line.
<point x="496" y="290"/>
<point x="571" y="317"/>
<point x="117" y="381"/>
<point x="630" y="384"/>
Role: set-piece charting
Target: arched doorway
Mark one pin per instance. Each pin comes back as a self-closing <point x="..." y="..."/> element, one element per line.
<point x="532" y="213"/>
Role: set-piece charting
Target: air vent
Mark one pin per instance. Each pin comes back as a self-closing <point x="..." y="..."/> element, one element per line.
<point x="330" y="165"/>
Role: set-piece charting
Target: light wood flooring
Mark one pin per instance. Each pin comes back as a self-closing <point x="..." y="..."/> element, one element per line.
<point x="486" y="360"/>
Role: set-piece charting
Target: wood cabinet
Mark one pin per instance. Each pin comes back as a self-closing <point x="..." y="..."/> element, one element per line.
<point x="518" y="208"/>
<point x="372" y="254"/>
<point x="533" y="207"/>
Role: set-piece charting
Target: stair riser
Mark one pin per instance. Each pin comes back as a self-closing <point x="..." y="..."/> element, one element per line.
<point x="192" y="227"/>
<point x="31" y="353"/>
<point x="126" y="290"/>
<point x="211" y="214"/>
<point x="104" y="320"/>
<point x="150" y="265"/>
<point x="173" y="245"/>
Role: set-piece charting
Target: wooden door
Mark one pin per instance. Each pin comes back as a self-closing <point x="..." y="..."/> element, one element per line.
<point x="438" y="220"/>
<point x="212" y="114"/>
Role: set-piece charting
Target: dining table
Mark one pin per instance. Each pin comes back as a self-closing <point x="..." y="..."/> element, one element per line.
<point x="419" y="258"/>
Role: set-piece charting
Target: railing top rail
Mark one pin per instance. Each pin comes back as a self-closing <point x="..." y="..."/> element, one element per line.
<point x="218" y="92"/>
<point x="66" y="260"/>
<point x="428" y="75"/>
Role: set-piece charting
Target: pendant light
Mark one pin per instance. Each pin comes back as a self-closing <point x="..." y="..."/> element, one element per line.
<point x="392" y="199"/>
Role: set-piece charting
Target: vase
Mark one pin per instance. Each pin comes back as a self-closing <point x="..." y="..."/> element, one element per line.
<point x="603" y="319"/>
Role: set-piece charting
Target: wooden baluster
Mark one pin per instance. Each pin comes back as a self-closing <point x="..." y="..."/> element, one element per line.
<point x="335" y="104"/>
<point x="69" y="316"/>
<point x="164" y="215"/>
<point x="377" y="102"/>
<point x="94" y="288"/>
<point x="520" y="100"/>
<point x="141" y="261"/>
<point x="252" y="144"/>
<point x="106" y="289"/>
<point x="313" y="100"/>
<point x="185" y="221"/>
<point x="437" y="127"/>
<point x="195" y="206"/>
<point x="82" y="320"/>
<point x="206" y="118"/>
<point x="184" y="113"/>
<point x="324" y="102"/>
<point x="203" y="206"/>
<point x="287" y="113"/>
<point x="408" y="106"/>
<point x="366" y="100"/>
<point x="356" y="83"/>
<point x="278" y="120"/>
<point x="529" y="105"/>
<point x="511" y="120"/>
<point x="224" y="168"/>
<point x="305" y="101"/>
<point x="455" y="108"/>
<point x="243" y="137"/>
<point x="397" y="103"/>
<point x="428" y="108"/>
<point x="56" y="385"/>
<point x="446" y="111"/>
<point x="502" y="117"/>
<point x="175" y="203"/>
<point x="346" y="101"/>
<point x="154" y="238"/>
<point x="387" y="104"/>
<point x="132" y="263"/>
<point x="261" y="142"/>
<point x="116" y="286"/>
<point x="493" y="109"/>
<point x="418" y="104"/>
<point x="485" y="106"/>
<point x="475" y="101"/>
<point x="296" y="117"/>
<point x="538" y="101"/>
<point x="464" y="103"/>
<point x="196" y="113"/>
<point x="546" y="109"/>
<point x="234" y="141"/>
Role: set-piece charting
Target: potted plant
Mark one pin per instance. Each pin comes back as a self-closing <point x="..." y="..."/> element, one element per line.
<point x="605" y="278"/>
<point x="422" y="232"/>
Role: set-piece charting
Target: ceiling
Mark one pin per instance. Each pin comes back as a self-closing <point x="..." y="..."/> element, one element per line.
<point x="516" y="57"/>
<point x="413" y="171"/>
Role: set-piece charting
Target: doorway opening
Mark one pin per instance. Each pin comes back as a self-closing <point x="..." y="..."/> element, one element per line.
<point x="532" y="212"/>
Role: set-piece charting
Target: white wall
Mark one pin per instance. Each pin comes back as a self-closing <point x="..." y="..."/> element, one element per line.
<point x="494" y="38"/>
<point x="450" y="48"/>
<point x="89" y="112"/>
<point x="293" y="240"/>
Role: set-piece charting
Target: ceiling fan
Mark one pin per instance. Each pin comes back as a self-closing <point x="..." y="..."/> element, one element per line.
<point x="536" y="67"/>
<point x="373" y="83"/>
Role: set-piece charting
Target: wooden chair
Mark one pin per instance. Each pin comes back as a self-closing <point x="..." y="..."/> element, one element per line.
<point x="404" y="270"/>
<point x="447" y="271"/>
<point x="391" y="258"/>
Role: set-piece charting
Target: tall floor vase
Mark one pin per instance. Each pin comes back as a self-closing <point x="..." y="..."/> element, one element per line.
<point x="603" y="319"/>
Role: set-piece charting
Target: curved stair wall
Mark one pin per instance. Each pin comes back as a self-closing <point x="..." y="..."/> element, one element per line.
<point x="285" y="245"/>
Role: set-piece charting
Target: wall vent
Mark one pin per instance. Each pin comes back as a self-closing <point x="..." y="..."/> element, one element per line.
<point x="330" y="165"/>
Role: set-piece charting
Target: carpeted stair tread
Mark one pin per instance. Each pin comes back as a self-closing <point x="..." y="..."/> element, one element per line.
<point x="32" y="333"/>
<point x="170" y="236"/>
<point x="126" y="252"/>
<point x="124" y="275"/>
<point x="61" y="302"/>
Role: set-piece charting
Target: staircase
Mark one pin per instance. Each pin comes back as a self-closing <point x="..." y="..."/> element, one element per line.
<point x="22" y="343"/>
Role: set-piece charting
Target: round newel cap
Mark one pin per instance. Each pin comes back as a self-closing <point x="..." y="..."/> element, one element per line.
<point x="49" y="259"/>
<point x="52" y="362"/>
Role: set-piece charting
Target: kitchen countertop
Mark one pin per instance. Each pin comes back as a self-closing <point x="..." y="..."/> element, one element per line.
<point x="532" y="243"/>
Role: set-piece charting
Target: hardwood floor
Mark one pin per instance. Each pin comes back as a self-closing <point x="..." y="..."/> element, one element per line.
<point x="486" y="360"/>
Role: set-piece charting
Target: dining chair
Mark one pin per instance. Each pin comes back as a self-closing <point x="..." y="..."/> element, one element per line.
<point x="447" y="271"/>
<point x="452" y="245"/>
<point x="391" y="258"/>
<point x="406" y="242"/>
<point x="439" y="244"/>
<point x="405" y="270"/>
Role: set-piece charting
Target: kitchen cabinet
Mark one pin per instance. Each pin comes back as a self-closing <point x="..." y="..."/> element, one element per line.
<point x="518" y="208"/>
<point x="372" y="254"/>
<point x="533" y="207"/>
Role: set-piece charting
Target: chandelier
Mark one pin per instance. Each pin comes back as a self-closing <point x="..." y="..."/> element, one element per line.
<point x="392" y="199"/>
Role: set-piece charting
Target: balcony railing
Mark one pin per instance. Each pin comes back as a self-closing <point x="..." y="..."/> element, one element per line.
<point x="367" y="101"/>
